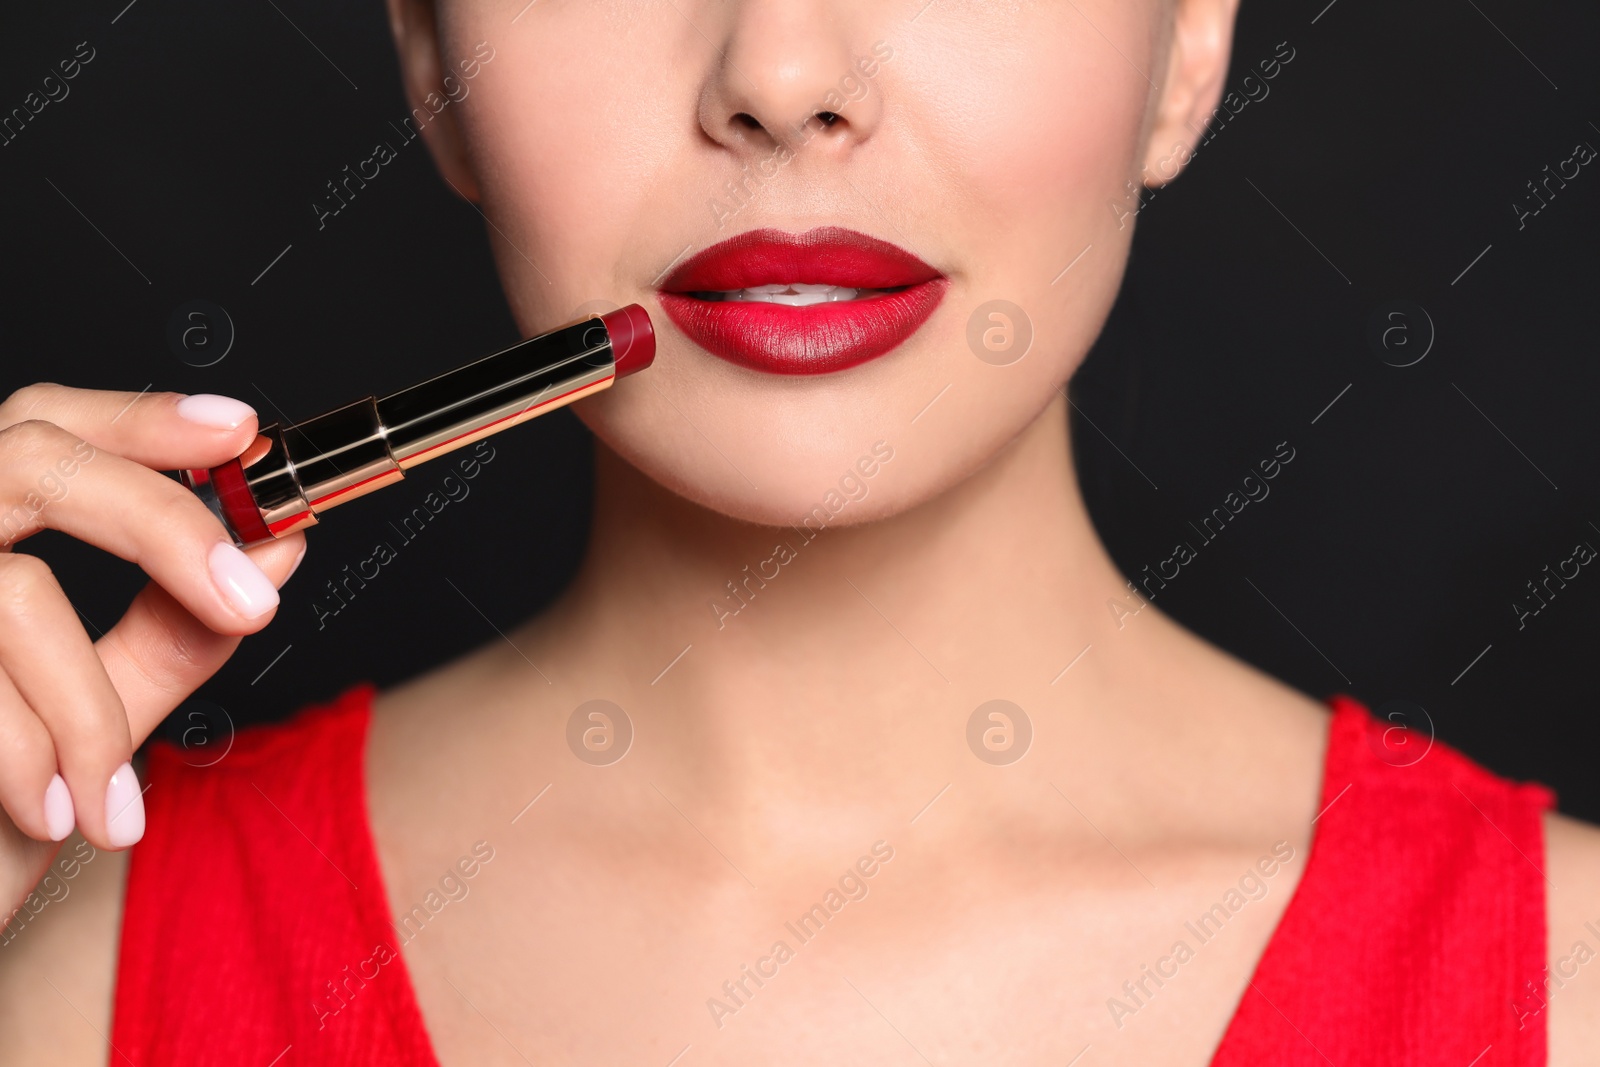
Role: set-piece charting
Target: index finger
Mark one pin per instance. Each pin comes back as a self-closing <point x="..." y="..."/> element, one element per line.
<point x="166" y="431"/>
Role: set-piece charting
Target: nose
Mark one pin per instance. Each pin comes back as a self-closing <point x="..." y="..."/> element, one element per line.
<point x="790" y="74"/>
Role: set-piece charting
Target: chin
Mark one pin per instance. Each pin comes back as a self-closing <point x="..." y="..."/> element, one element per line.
<point x="847" y="448"/>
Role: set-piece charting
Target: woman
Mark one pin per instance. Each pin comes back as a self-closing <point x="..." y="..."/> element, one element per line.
<point x="893" y="764"/>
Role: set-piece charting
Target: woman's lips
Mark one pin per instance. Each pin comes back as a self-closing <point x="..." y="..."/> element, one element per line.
<point x="781" y="338"/>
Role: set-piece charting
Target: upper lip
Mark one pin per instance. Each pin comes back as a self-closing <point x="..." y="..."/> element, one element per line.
<point x="828" y="255"/>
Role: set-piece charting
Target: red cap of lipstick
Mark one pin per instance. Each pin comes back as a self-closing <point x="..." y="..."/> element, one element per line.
<point x="633" y="338"/>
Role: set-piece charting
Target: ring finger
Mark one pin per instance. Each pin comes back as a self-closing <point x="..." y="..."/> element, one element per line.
<point x="54" y="667"/>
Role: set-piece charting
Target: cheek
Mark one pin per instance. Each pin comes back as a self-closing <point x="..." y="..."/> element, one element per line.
<point x="1043" y="143"/>
<point x="571" y="147"/>
<point x="1034" y="148"/>
<point x="1048" y="115"/>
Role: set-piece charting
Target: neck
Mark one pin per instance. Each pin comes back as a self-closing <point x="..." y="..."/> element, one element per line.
<point x="768" y="669"/>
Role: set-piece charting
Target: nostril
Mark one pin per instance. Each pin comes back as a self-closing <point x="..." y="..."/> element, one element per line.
<point x="747" y="121"/>
<point x="828" y="117"/>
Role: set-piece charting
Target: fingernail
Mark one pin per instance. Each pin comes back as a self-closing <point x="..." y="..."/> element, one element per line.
<point x="249" y="591"/>
<point x="58" y="815"/>
<point x="124" y="808"/>
<point x="217" y="412"/>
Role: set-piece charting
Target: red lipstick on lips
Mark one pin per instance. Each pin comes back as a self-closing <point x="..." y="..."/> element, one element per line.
<point x="805" y="330"/>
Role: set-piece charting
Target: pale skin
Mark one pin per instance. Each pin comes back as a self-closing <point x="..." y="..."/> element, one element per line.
<point x="827" y="714"/>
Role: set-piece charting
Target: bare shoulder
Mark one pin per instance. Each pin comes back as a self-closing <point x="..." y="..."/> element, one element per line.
<point x="1264" y="742"/>
<point x="58" y="960"/>
<point x="1572" y="983"/>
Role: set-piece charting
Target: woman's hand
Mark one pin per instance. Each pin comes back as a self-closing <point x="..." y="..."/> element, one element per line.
<point x="72" y="710"/>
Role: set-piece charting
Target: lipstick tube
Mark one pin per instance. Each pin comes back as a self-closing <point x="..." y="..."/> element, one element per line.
<point x="290" y="475"/>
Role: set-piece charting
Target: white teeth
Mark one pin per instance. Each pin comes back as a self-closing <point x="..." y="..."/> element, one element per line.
<point x="800" y="300"/>
<point x="795" y="294"/>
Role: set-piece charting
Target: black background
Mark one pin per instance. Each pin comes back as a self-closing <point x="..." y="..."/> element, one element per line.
<point x="1384" y="564"/>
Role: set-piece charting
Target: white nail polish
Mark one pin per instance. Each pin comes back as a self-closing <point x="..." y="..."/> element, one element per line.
<point x="217" y="412"/>
<point x="59" y="817"/>
<point x="251" y="592"/>
<point x="124" y="808"/>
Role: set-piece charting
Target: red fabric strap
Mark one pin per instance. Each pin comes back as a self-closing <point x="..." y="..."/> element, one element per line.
<point x="1417" y="922"/>
<point x="256" y="928"/>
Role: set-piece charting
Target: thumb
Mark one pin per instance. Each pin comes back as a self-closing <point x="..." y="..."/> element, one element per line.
<point x="158" y="653"/>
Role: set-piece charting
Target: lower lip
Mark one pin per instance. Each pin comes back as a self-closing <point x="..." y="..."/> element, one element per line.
<point x="820" y="339"/>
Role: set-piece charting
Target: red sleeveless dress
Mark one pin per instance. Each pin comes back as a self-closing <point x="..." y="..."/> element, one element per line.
<point x="256" y="929"/>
